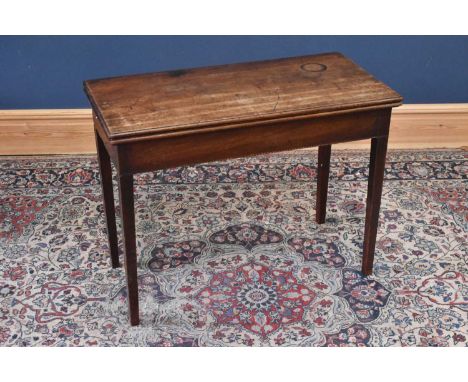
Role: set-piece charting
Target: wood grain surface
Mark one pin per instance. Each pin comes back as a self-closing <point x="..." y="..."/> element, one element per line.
<point x="234" y="95"/>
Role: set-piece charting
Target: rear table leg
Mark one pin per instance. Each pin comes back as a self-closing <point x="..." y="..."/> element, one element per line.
<point x="322" y="182"/>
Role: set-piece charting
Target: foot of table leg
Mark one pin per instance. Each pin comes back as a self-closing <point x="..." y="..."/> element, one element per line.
<point x="374" y="193"/>
<point x="322" y="182"/>
<point x="129" y="239"/>
<point x="108" y="195"/>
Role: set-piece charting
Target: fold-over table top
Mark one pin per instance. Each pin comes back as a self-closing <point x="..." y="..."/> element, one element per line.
<point x="236" y="95"/>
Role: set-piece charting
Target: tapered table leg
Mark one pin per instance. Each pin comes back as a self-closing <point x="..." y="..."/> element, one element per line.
<point x="322" y="182"/>
<point x="108" y="194"/>
<point x="374" y="193"/>
<point x="129" y="239"/>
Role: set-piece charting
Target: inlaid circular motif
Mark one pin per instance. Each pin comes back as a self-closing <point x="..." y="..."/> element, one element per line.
<point x="313" y="67"/>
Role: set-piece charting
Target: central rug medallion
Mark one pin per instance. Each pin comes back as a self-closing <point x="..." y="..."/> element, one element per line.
<point x="259" y="298"/>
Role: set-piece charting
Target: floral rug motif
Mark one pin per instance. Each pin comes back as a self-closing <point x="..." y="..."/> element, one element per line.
<point x="229" y="254"/>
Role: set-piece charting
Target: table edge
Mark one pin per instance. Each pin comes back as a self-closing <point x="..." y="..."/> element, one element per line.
<point x="117" y="139"/>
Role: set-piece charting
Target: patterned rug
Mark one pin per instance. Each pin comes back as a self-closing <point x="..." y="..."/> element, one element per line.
<point x="230" y="255"/>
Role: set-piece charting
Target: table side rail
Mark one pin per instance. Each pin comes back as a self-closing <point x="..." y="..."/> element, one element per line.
<point x="150" y="155"/>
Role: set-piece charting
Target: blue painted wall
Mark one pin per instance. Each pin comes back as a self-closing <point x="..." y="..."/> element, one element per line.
<point x="47" y="72"/>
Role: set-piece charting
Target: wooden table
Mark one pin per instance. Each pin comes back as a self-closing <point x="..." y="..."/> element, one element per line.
<point x="154" y="121"/>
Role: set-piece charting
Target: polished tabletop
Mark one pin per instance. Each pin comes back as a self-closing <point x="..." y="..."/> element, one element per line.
<point x="234" y="95"/>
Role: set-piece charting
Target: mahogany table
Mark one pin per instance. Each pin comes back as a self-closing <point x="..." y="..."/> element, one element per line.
<point x="154" y="121"/>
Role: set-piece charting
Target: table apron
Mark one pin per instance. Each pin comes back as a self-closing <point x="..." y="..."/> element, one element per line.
<point x="161" y="153"/>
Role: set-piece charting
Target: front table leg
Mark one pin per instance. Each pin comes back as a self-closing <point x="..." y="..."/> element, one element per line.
<point x="108" y="195"/>
<point x="129" y="240"/>
<point x="374" y="193"/>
